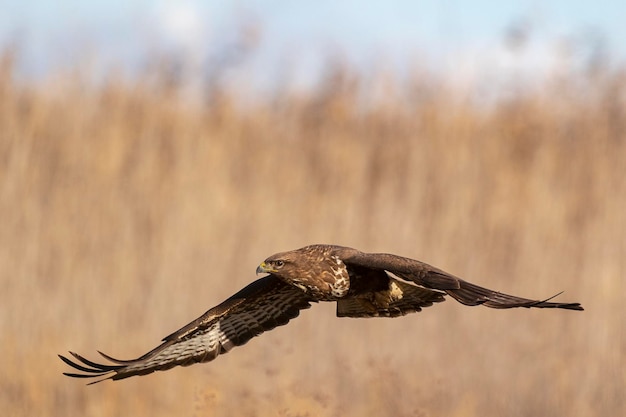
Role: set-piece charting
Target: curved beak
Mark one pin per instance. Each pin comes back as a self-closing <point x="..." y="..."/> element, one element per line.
<point x="262" y="269"/>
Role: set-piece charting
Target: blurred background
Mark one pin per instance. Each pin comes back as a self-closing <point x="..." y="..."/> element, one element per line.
<point x="153" y="153"/>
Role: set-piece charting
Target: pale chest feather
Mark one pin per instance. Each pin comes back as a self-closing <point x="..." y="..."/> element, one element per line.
<point x="340" y="280"/>
<point x="329" y="283"/>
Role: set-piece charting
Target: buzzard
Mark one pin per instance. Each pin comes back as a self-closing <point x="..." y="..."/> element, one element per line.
<point x="362" y="284"/>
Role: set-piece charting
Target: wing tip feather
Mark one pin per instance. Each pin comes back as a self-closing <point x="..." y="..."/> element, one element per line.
<point x="92" y="369"/>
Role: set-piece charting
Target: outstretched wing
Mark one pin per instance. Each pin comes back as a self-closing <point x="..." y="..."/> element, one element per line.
<point x="259" y="307"/>
<point x="430" y="277"/>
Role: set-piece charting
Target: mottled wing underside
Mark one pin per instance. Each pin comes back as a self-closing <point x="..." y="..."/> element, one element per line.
<point x="259" y="307"/>
<point x="399" y="299"/>
<point x="430" y="277"/>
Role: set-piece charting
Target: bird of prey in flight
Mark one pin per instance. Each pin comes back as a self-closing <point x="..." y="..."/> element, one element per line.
<point x="362" y="285"/>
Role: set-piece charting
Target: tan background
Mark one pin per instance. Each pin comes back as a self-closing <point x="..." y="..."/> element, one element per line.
<point x="127" y="211"/>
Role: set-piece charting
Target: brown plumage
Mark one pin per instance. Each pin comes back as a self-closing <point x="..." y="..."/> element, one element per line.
<point x="359" y="282"/>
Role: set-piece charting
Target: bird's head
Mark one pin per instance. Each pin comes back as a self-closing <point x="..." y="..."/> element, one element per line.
<point x="278" y="264"/>
<point x="296" y="264"/>
<point x="270" y="266"/>
<point x="286" y="264"/>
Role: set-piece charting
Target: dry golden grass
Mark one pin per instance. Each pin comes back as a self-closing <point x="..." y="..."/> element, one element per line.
<point x="126" y="212"/>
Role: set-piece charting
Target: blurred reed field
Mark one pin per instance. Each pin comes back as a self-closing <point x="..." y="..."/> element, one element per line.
<point x="127" y="211"/>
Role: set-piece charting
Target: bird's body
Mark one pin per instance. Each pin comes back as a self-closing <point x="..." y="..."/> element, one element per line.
<point x="359" y="282"/>
<point x="321" y="274"/>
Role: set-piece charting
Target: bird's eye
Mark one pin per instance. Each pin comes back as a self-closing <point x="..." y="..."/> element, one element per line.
<point x="279" y="264"/>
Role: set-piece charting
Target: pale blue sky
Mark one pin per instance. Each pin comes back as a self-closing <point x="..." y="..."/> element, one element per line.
<point x="466" y="37"/>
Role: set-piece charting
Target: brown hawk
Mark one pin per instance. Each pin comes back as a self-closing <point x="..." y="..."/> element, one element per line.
<point x="359" y="282"/>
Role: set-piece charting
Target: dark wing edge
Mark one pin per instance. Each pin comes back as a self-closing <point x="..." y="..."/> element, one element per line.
<point x="261" y="306"/>
<point x="473" y="295"/>
<point x="464" y="292"/>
